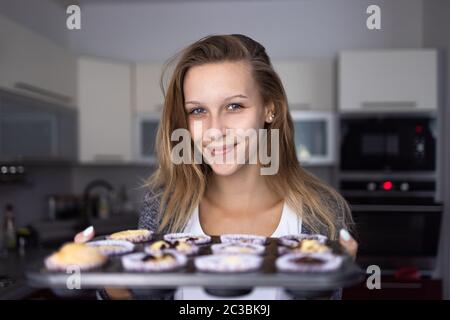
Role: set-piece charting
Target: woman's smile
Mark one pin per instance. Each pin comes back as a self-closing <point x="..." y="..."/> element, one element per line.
<point x="221" y="149"/>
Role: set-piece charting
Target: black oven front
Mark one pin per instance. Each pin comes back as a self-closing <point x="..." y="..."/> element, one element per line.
<point x="388" y="143"/>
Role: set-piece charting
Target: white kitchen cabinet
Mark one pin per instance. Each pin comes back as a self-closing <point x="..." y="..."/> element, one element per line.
<point x="149" y="97"/>
<point x="309" y="84"/>
<point x="388" y="80"/>
<point x="33" y="65"/>
<point x="105" y="113"/>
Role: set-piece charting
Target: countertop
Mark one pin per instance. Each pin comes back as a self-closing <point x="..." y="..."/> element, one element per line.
<point x="13" y="266"/>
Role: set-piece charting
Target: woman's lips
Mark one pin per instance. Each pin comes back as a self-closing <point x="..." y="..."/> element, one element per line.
<point x="221" y="150"/>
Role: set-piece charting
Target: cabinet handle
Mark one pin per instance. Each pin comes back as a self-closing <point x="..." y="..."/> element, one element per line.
<point x="389" y="104"/>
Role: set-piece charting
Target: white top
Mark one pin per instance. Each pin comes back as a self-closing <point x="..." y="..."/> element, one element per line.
<point x="290" y="223"/>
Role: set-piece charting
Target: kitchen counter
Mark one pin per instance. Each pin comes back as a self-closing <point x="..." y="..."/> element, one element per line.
<point x="12" y="268"/>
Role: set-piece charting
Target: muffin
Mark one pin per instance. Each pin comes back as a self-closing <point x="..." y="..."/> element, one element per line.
<point x="306" y="246"/>
<point x="182" y="247"/>
<point x="162" y="261"/>
<point x="294" y="239"/>
<point x="187" y="237"/>
<point x="112" y="247"/>
<point x="228" y="263"/>
<point x="75" y="254"/>
<point x="303" y="262"/>
<point x="243" y="238"/>
<point x="134" y="236"/>
<point x="237" y="248"/>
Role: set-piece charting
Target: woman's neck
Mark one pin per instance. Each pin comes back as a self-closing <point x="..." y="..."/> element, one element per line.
<point x="246" y="188"/>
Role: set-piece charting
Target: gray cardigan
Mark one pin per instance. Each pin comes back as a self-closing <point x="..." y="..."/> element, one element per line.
<point x="148" y="216"/>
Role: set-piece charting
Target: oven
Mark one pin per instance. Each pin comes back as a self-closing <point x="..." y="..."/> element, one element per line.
<point x="388" y="142"/>
<point x="388" y="174"/>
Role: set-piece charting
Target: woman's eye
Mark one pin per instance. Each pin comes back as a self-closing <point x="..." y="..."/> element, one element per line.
<point x="234" y="106"/>
<point x="197" y="111"/>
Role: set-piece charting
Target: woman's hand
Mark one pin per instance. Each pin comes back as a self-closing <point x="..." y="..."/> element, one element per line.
<point x="113" y="293"/>
<point x="85" y="235"/>
<point x="349" y="244"/>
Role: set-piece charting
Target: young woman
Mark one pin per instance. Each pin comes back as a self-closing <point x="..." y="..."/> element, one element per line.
<point x="222" y="85"/>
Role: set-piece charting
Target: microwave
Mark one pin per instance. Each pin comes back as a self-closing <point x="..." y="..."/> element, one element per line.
<point x="388" y="143"/>
<point x="314" y="137"/>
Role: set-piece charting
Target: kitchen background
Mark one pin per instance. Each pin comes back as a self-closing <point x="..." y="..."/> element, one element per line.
<point x="79" y="108"/>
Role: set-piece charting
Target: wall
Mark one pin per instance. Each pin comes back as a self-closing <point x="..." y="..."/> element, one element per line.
<point x="437" y="34"/>
<point x="288" y="29"/>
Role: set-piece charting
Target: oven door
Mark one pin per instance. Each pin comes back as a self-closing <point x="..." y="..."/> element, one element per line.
<point x="394" y="235"/>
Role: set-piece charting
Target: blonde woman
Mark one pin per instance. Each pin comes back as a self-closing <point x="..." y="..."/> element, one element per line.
<point x="220" y="85"/>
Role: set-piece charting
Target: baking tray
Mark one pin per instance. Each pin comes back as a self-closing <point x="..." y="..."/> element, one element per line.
<point x="221" y="284"/>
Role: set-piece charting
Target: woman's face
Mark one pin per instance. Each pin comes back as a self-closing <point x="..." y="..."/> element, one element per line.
<point x="223" y="107"/>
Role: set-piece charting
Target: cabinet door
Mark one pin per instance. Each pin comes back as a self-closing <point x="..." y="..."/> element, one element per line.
<point x="33" y="64"/>
<point x="149" y="97"/>
<point x="105" y="111"/>
<point x="388" y="80"/>
<point x="309" y="85"/>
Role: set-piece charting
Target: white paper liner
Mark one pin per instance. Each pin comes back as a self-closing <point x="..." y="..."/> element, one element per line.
<point x="192" y="250"/>
<point x="134" y="238"/>
<point x="243" y="238"/>
<point x="52" y="265"/>
<point x="171" y="237"/>
<point x="221" y="263"/>
<point x="133" y="262"/>
<point x="285" y="263"/>
<point x="233" y="248"/>
<point x="125" y="246"/>
<point x="293" y="239"/>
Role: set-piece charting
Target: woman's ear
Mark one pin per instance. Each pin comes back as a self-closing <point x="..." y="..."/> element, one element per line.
<point x="270" y="112"/>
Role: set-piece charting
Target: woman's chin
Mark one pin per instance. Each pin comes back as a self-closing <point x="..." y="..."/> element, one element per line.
<point x="225" y="169"/>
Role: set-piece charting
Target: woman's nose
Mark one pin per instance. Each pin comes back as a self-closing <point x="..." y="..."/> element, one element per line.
<point x="216" y="128"/>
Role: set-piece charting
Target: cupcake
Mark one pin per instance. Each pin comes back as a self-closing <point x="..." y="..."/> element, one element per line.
<point x="112" y="247"/>
<point x="182" y="247"/>
<point x="306" y="246"/>
<point x="75" y="254"/>
<point x="187" y="237"/>
<point x="243" y="238"/>
<point x="294" y="239"/>
<point x="162" y="261"/>
<point x="134" y="236"/>
<point x="228" y="263"/>
<point x="303" y="262"/>
<point x="237" y="248"/>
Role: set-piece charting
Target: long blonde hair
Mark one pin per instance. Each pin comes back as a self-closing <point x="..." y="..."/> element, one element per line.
<point x="183" y="185"/>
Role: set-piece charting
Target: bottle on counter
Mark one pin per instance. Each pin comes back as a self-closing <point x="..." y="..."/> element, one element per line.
<point x="9" y="228"/>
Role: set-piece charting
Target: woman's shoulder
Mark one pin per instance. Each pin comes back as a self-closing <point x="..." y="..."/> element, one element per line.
<point x="149" y="209"/>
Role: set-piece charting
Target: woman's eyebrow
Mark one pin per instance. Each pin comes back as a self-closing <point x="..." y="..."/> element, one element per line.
<point x="226" y="99"/>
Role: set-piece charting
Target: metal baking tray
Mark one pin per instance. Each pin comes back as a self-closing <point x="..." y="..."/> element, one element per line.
<point x="223" y="284"/>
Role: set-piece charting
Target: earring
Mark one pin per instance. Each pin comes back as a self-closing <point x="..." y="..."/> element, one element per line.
<point x="272" y="116"/>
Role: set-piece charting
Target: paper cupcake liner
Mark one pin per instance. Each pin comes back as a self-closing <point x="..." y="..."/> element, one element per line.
<point x="243" y="238"/>
<point x="192" y="250"/>
<point x="286" y="262"/>
<point x="133" y="262"/>
<point x="233" y="248"/>
<point x="125" y="246"/>
<point x="287" y="250"/>
<point x="293" y="239"/>
<point x="134" y="238"/>
<point x="201" y="239"/>
<point x="52" y="265"/>
<point x="223" y="263"/>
